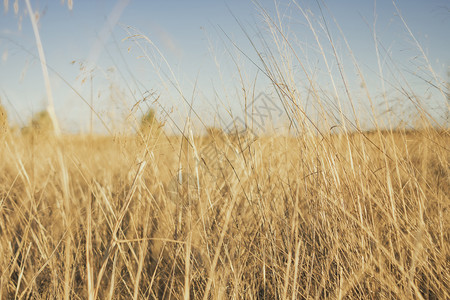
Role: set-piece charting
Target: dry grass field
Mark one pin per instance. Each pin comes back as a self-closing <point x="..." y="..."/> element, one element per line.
<point x="355" y="216"/>
<point x="328" y="211"/>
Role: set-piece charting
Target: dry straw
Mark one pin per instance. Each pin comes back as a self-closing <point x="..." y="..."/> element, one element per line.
<point x="330" y="211"/>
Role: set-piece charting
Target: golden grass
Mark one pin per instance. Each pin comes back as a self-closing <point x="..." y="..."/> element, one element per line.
<point x="341" y="216"/>
<point x="362" y="215"/>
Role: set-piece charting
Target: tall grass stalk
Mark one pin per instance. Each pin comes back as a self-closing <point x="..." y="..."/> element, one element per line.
<point x="48" y="88"/>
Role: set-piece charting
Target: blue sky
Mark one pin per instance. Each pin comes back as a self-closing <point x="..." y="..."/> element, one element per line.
<point x="196" y="39"/>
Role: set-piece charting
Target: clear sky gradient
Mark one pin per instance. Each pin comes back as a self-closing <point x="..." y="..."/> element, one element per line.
<point x="95" y="39"/>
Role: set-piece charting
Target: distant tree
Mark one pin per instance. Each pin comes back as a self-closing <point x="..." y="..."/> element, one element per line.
<point x="3" y="120"/>
<point x="149" y="123"/>
<point x="41" y="123"/>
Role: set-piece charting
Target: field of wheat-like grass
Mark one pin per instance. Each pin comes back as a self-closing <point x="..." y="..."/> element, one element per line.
<point x="344" y="196"/>
<point x="355" y="216"/>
